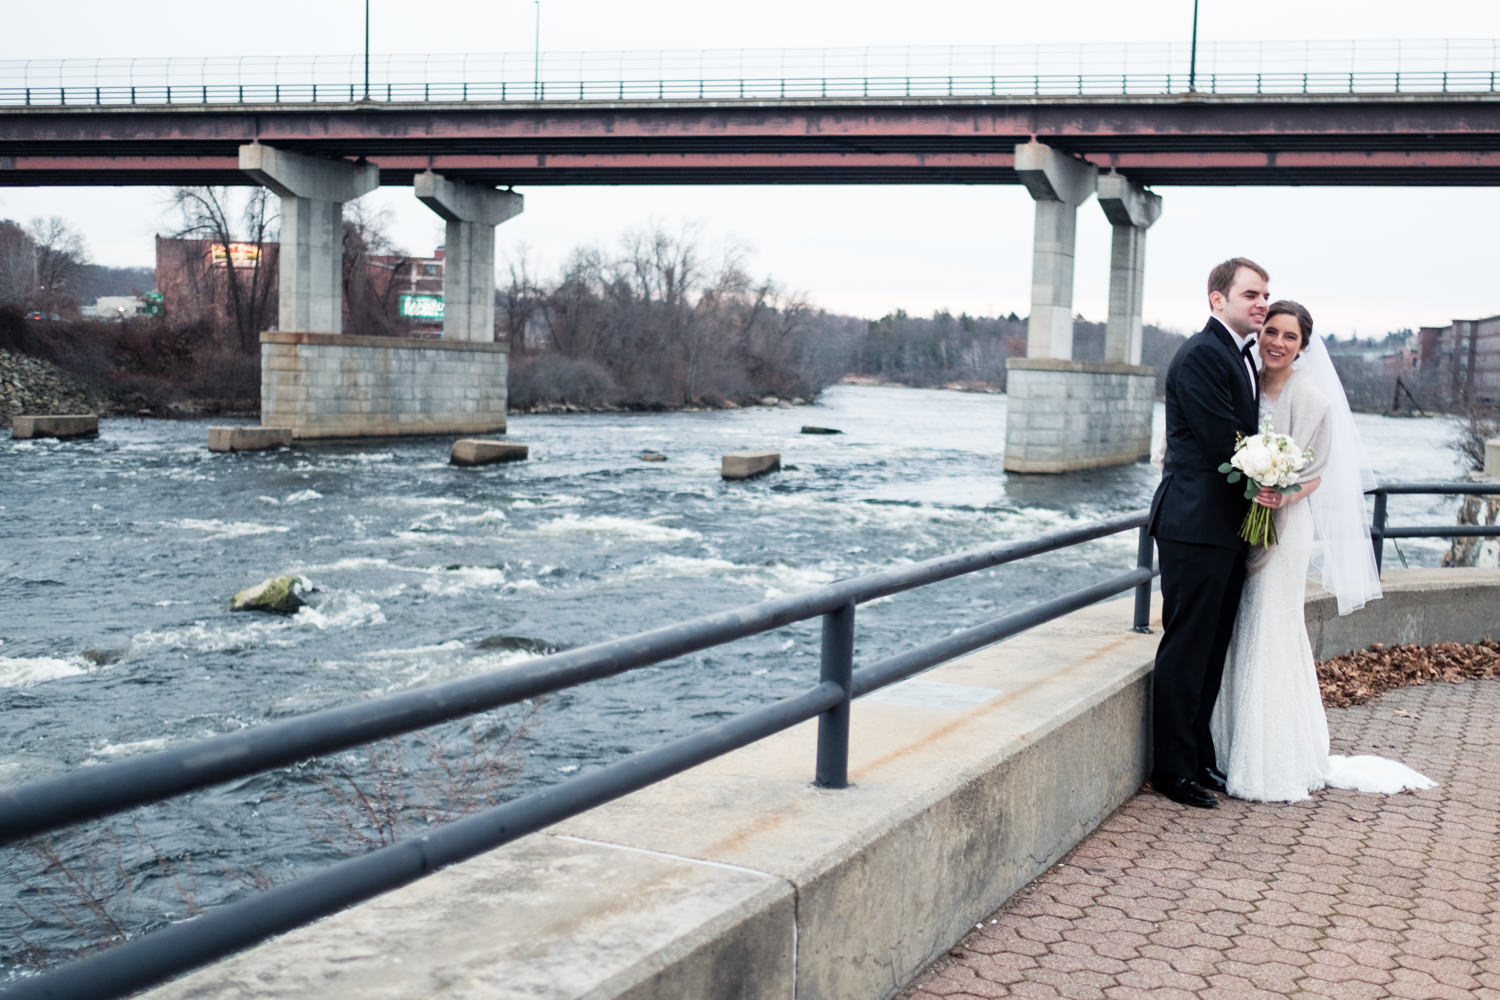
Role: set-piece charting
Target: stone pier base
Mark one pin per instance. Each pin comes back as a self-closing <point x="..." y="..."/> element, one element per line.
<point x="343" y="385"/>
<point x="1067" y="415"/>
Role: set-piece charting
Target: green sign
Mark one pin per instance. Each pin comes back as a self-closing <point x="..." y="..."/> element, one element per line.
<point x="154" y="305"/>
<point x="421" y="307"/>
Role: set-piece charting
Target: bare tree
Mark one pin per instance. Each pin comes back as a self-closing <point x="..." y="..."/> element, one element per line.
<point x="42" y="265"/>
<point x="521" y="303"/>
<point x="374" y="272"/>
<point x="246" y="281"/>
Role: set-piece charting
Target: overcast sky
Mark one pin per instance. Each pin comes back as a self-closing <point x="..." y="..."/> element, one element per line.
<point x="1365" y="260"/>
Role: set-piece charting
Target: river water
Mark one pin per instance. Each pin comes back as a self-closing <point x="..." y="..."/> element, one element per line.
<point x="119" y="555"/>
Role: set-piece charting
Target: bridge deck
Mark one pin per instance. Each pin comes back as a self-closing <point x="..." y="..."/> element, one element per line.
<point x="1186" y="139"/>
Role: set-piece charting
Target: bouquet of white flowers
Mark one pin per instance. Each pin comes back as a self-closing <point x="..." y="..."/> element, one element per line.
<point x="1265" y="459"/>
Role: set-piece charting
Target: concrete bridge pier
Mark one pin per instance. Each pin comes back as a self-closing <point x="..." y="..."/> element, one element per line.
<point x="1058" y="184"/>
<point x="1130" y="210"/>
<point x="1062" y="414"/>
<point x="317" y="381"/>
<point x="472" y="213"/>
<point x="313" y="192"/>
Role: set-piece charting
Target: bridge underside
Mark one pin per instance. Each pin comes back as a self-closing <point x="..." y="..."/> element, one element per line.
<point x="1407" y="140"/>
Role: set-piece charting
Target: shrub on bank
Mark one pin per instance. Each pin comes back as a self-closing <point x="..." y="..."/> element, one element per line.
<point x="142" y="364"/>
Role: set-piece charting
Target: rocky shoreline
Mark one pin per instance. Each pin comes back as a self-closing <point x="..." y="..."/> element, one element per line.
<point x="31" y="385"/>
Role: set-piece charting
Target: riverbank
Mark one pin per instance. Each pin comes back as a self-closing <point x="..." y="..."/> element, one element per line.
<point x="31" y="385"/>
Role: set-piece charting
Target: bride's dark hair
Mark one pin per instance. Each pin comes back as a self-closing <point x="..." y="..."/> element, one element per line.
<point x="1298" y="312"/>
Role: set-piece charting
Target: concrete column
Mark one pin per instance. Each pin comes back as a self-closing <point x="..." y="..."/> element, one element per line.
<point x="1131" y="210"/>
<point x="472" y="213"/>
<point x="313" y="192"/>
<point x="1059" y="184"/>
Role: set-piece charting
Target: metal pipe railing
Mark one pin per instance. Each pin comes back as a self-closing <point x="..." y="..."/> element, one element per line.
<point x="1380" y="530"/>
<point x="108" y="788"/>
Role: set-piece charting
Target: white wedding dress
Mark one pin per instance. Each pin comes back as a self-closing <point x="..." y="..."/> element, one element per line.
<point x="1268" y="725"/>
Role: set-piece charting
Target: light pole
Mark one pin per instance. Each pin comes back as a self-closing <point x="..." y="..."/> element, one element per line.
<point x="536" y="56"/>
<point x="367" y="49"/>
<point x="1192" y="52"/>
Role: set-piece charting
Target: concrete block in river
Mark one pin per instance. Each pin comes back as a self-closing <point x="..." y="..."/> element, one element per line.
<point x="744" y="464"/>
<point x="54" y="425"/>
<point x="248" y="438"/>
<point x="479" y="451"/>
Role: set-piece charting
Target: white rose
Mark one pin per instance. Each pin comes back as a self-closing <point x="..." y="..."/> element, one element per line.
<point x="1256" y="460"/>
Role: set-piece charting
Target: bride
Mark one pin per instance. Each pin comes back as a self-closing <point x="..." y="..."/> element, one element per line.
<point x="1268" y="724"/>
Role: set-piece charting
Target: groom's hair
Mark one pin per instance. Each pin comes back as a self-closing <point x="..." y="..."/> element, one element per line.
<point x="1222" y="276"/>
<point x="1298" y="312"/>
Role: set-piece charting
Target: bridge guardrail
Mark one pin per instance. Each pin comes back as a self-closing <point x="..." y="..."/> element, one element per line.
<point x="1085" y="84"/>
<point x="93" y="792"/>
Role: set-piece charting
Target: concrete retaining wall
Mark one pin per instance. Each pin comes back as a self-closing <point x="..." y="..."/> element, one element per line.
<point x="739" y="879"/>
<point x="1067" y="415"/>
<point x="340" y="385"/>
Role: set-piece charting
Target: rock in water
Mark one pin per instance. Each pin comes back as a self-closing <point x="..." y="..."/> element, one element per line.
<point x="278" y="594"/>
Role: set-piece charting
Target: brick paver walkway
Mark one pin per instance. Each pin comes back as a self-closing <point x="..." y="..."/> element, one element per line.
<point x="1347" y="896"/>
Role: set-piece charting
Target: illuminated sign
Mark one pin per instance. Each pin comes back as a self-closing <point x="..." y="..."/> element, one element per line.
<point x="421" y="306"/>
<point x="238" y="254"/>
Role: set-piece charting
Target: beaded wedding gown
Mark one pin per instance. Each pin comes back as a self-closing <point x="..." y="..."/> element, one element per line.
<point x="1268" y="725"/>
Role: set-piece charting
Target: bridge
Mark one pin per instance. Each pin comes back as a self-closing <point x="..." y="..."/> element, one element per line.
<point x="465" y="136"/>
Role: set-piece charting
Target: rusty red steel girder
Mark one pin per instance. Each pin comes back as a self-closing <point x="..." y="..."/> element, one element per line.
<point x="1357" y="139"/>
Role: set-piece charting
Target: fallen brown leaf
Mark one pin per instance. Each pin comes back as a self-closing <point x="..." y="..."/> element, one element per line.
<point x="1357" y="677"/>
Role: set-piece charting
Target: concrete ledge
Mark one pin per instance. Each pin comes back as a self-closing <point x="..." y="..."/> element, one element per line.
<point x="745" y="464"/>
<point x="1052" y="466"/>
<point x="1085" y="367"/>
<point x="55" y="426"/>
<point x="363" y="340"/>
<point x="477" y="451"/>
<point x="1420" y="606"/>
<point x="248" y="438"/>
<point x="732" y="878"/>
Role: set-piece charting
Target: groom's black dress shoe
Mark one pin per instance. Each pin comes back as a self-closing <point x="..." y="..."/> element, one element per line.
<point x="1185" y="790"/>
<point x="1213" y="779"/>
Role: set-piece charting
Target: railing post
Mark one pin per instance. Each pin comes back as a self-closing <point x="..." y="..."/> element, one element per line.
<point x="1143" y="560"/>
<point x="1377" y="528"/>
<point x="833" y="725"/>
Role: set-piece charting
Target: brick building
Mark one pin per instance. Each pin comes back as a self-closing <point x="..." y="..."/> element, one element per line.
<point x="1459" y="364"/>
<point x="384" y="294"/>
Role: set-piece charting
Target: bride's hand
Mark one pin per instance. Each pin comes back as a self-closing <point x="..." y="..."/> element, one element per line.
<point x="1271" y="497"/>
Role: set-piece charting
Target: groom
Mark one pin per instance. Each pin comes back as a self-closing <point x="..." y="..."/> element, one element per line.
<point x="1195" y="517"/>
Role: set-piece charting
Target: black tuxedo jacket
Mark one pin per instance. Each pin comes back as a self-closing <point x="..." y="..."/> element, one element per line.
<point x="1209" y="399"/>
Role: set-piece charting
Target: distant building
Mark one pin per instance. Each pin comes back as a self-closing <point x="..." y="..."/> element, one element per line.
<point x="194" y="278"/>
<point x="115" y="307"/>
<point x="1459" y="364"/>
<point x="384" y="294"/>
